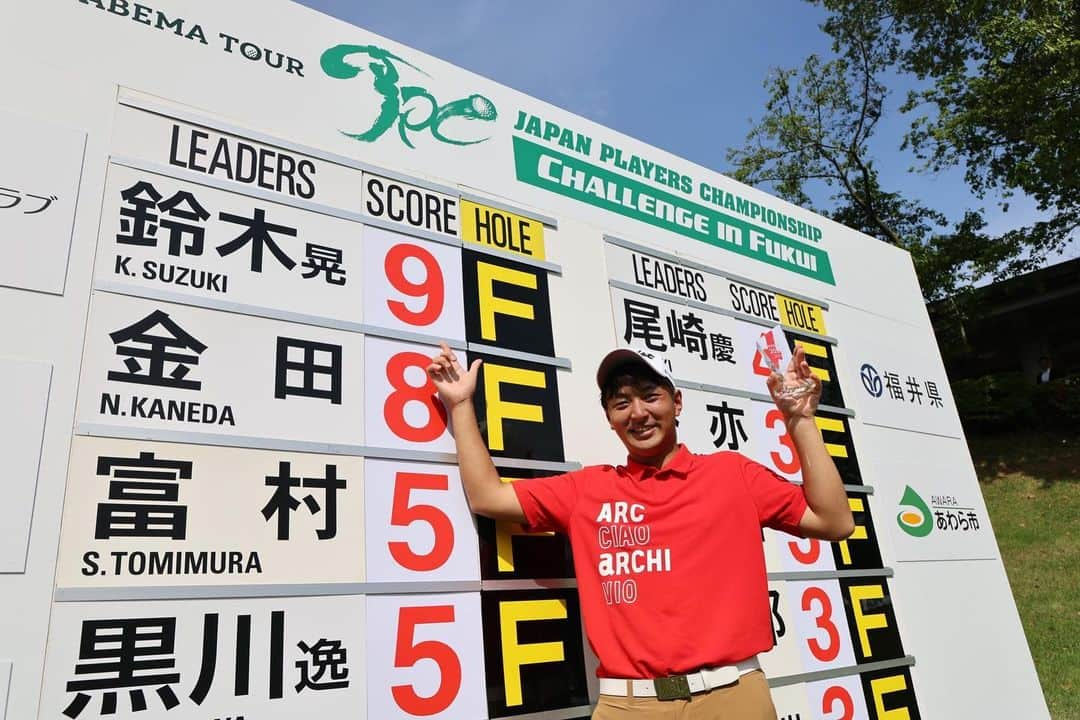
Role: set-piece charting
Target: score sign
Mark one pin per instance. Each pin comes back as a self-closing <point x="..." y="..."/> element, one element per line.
<point x="518" y="406"/>
<point x="534" y="651"/>
<point x="423" y="659"/>
<point x="412" y="285"/>
<point x="418" y="523"/>
<point x="401" y="408"/>
<point x="821" y="624"/>
<point x="507" y="304"/>
<point x="410" y="205"/>
<point x="502" y="230"/>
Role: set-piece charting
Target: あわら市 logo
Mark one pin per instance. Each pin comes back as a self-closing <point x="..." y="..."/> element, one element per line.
<point x="914" y="517"/>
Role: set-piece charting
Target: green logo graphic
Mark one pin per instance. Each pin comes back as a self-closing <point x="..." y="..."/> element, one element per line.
<point x="914" y="517"/>
<point x="412" y="108"/>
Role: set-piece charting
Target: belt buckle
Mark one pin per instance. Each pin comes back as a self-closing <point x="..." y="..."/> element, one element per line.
<point x="676" y="687"/>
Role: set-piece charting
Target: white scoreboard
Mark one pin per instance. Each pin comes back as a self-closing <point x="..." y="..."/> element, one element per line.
<point x="235" y="233"/>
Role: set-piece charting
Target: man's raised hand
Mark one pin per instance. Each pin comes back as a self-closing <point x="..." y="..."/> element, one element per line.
<point x="798" y="372"/>
<point x="454" y="383"/>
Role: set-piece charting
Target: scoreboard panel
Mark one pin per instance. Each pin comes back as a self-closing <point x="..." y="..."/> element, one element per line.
<point x="248" y="493"/>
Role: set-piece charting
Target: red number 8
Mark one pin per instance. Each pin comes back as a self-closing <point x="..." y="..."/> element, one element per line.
<point x="394" y="407"/>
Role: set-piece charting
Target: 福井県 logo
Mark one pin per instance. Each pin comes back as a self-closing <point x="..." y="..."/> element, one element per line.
<point x="413" y="109"/>
<point x="871" y="380"/>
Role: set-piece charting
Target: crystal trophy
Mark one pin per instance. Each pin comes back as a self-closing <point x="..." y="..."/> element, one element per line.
<point x="774" y="356"/>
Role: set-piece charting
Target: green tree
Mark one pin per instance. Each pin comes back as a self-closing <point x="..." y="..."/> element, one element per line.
<point x="1000" y="96"/>
<point x="817" y="125"/>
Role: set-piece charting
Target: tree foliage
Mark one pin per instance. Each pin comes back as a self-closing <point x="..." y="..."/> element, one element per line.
<point x="986" y="66"/>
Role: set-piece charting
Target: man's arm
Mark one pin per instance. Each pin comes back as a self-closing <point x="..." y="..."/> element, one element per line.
<point x="488" y="495"/>
<point x="828" y="516"/>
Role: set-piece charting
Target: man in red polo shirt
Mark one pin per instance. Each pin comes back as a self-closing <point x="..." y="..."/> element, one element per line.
<point x="685" y="528"/>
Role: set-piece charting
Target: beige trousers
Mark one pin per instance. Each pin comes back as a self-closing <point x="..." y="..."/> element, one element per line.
<point x="747" y="699"/>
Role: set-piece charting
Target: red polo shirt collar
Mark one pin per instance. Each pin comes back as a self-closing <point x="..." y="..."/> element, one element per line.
<point x="678" y="466"/>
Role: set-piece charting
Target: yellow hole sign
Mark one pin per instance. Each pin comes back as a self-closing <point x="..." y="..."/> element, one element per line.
<point x="502" y="230"/>
<point x="800" y="315"/>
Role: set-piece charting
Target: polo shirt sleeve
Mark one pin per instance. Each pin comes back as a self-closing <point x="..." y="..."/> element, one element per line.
<point x="547" y="502"/>
<point x="780" y="504"/>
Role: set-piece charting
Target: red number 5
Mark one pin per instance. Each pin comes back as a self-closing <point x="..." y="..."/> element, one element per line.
<point x="403" y="514"/>
<point x="407" y="654"/>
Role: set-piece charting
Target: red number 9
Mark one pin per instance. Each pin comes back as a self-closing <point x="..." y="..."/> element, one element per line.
<point x="432" y="287"/>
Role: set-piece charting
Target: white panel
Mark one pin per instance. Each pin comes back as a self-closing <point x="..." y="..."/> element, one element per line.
<point x="424" y="658"/>
<point x="402" y="408"/>
<point x="699" y="345"/>
<point x="419" y="527"/>
<point x="24" y="385"/>
<point x="412" y="285"/>
<point x="232" y="386"/>
<point x="42" y="164"/>
<point x="658" y="275"/>
<point x="893" y="374"/>
<point x="287" y="637"/>
<point x="960" y="622"/>
<point x="790" y="702"/>
<point x="712" y="422"/>
<point x="784" y="659"/>
<point x="246" y="164"/>
<point x="165" y="235"/>
<point x="158" y="514"/>
<point x="928" y="496"/>
<point x="800" y="554"/>
<point x="409" y="205"/>
<point x="822" y="624"/>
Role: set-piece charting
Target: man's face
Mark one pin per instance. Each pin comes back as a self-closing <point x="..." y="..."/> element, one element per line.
<point x="642" y="414"/>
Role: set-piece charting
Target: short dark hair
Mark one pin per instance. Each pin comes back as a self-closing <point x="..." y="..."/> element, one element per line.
<point x="635" y="374"/>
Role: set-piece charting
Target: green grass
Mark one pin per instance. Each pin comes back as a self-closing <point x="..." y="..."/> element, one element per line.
<point x="1031" y="483"/>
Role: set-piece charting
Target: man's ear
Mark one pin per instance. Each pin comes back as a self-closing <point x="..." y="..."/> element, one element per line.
<point x="678" y="402"/>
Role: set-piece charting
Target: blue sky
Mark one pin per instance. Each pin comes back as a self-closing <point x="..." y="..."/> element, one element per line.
<point x="682" y="75"/>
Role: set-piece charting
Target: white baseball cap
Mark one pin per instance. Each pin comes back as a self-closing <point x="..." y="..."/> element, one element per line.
<point x="622" y="356"/>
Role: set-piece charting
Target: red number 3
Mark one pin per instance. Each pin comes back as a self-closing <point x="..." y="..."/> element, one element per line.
<point x="830" y="650"/>
<point x="787" y="466"/>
